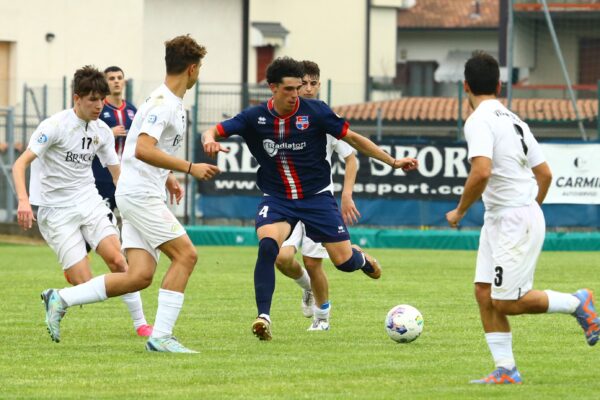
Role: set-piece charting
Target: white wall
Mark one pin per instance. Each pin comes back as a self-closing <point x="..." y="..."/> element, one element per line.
<point x="331" y="33"/>
<point x="128" y="33"/>
<point x="384" y="27"/>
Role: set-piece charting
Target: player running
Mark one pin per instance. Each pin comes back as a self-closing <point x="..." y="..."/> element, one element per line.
<point x="509" y="171"/>
<point x="313" y="279"/>
<point x="71" y="212"/>
<point x="288" y="137"/>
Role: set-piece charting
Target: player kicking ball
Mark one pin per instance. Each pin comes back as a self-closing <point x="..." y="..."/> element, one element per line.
<point x="313" y="279"/>
<point x="71" y="212"/>
<point x="509" y="172"/>
<point x="288" y="136"/>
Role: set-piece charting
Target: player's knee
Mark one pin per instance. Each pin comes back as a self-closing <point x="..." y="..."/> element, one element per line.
<point x="142" y="280"/>
<point x="116" y="262"/>
<point x="356" y="261"/>
<point x="187" y="257"/>
<point x="268" y="249"/>
<point x="312" y="264"/>
<point x="483" y="293"/>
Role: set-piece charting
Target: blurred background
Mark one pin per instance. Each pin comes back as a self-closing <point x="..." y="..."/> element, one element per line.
<point x="392" y="68"/>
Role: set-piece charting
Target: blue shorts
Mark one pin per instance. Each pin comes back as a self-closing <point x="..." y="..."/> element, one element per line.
<point x="320" y="214"/>
<point x="107" y="192"/>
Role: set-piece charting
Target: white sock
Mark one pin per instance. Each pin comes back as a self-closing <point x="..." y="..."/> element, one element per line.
<point x="304" y="280"/>
<point x="92" y="291"/>
<point x="265" y="316"/>
<point x="322" y="313"/>
<point x="169" y="305"/>
<point x="564" y="303"/>
<point x="500" y="344"/>
<point x="133" y="301"/>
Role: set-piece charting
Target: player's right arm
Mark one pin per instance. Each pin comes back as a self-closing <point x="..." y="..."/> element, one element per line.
<point x="543" y="177"/>
<point x="209" y="142"/>
<point x="146" y="151"/>
<point x="25" y="216"/>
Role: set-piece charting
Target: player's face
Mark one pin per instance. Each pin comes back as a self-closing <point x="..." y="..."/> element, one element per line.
<point x="88" y="107"/>
<point x="310" y="87"/>
<point x="116" y="82"/>
<point x="285" y="94"/>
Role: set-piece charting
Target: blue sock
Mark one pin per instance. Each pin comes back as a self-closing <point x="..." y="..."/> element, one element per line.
<point x="264" y="274"/>
<point x="357" y="261"/>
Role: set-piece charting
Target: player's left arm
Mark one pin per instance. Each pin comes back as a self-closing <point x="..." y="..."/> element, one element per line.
<point x="349" y="211"/>
<point x="25" y="215"/>
<point x="115" y="172"/>
<point x="543" y="177"/>
<point x="370" y="149"/>
<point x="481" y="169"/>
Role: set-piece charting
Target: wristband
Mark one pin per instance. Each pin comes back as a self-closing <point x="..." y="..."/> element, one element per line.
<point x="190" y="168"/>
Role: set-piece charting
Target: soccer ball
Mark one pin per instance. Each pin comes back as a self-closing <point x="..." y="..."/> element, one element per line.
<point x="404" y="323"/>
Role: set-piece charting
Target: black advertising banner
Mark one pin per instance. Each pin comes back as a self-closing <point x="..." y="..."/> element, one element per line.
<point x="441" y="175"/>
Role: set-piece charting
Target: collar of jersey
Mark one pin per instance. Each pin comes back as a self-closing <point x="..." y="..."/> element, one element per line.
<point x="123" y="105"/>
<point x="271" y="109"/>
<point x="166" y="90"/>
<point x="75" y="118"/>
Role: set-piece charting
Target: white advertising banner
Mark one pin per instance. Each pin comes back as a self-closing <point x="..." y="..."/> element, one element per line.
<point x="575" y="173"/>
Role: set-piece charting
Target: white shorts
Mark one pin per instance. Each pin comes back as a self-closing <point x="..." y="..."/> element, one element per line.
<point x="147" y="223"/>
<point x="67" y="229"/>
<point x="299" y="239"/>
<point x="510" y="244"/>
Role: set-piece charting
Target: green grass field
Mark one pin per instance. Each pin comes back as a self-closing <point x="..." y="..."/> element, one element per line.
<point x="99" y="356"/>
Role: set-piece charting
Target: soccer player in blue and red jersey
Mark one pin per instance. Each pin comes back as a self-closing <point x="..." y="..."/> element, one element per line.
<point x="118" y="115"/>
<point x="288" y="137"/>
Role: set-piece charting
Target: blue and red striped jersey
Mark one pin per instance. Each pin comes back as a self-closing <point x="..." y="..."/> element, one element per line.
<point x="114" y="116"/>
<point x="290" y="149"/>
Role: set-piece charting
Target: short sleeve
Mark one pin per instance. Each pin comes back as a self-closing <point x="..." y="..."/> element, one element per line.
<point x="107" y="153"/>
<point x="343" y="148"/>
<point x="333" y="123"/>
<point x="480" y="139"/>
<point x="156" y="120"/>
<point x="43" y="138"/>
<point x="233" y="126"/>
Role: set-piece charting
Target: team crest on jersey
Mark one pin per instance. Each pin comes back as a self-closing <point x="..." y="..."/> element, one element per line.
<point x="96" y="140"/>
<point x="130" y="114"/>
<point x="152" y="119"/>
<point x="42" y="138"/>
<point x="302" y="122"/>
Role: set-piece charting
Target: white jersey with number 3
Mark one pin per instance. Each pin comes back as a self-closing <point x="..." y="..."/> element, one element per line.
<point x="162" y="117"/>
<point x="495" y="132"/>
<point x="65" y="146"/>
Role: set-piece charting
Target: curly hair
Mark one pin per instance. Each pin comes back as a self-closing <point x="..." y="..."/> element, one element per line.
<point x="284" y="67"/>
<point x="181" y="52"/>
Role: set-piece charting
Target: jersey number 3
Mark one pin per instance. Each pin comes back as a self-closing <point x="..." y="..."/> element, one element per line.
<point x="519" y="132"/>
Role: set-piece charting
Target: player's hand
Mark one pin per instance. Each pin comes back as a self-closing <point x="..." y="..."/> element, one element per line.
<point x="350" y="213"/>
<point x="25" y="216"/>
<point x="119" y="130"/>
<point x="453" y="217"/>
<point x="176" y="191"/>
<point x="406" y="163"/>
<point x="213" y="148"/>
<point x="204" y="172"/>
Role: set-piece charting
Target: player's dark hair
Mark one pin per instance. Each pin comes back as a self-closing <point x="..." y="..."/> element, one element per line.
<point x="311" y="69"/>
<point x="181" y="52"/>
<point x="482" y="73"/>
<point x="284" y="67"/>
<point x="113" y="68"/>
<point x="89" y="80"/>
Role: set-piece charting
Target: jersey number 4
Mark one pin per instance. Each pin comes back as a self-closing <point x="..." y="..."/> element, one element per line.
<point x="263" y="212"/>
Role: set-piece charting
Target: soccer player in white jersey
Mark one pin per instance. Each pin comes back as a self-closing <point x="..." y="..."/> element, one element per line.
<point x="313" y="279"/>
<point x="71" y="211"/>
<point x="509" y="171"/>
<point x="149" y="227"/>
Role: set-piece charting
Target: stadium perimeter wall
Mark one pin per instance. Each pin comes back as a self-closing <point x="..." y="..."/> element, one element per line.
<point x="397" y="238"/>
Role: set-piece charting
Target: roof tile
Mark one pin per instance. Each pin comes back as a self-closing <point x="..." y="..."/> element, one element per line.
<point x="448" y="14"/>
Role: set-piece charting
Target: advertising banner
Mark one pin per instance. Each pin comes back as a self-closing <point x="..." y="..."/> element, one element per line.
<point x="575" y="171"/>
